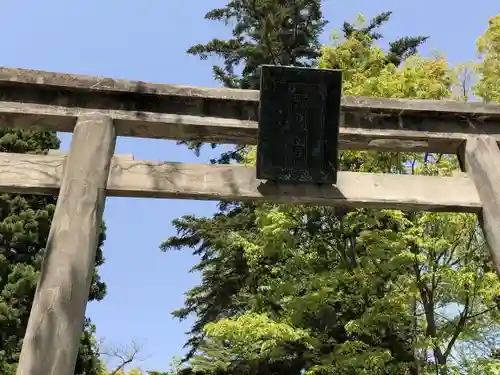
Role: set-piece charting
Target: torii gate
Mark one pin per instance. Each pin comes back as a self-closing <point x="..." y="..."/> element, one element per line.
<point x="97" y="110"/>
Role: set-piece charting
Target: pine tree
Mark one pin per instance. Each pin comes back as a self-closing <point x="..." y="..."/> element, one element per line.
<point x="24" y="226"/>
<point x="277" y="32"/>
<point x="399" y="49"/>
<point x="264" y="32"/>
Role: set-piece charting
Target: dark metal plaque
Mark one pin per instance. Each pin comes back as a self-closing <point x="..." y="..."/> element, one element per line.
<point x="299" y="118"/>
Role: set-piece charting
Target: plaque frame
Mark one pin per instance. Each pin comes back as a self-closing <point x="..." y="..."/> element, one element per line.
<point x="299" y="120"/>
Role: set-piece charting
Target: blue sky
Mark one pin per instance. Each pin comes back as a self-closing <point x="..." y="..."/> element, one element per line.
<point x="147" y="40"/>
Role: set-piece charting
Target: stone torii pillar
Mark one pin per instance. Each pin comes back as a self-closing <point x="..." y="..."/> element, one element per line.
<point x="482" y="163"/>
<point x="52" y="338"/>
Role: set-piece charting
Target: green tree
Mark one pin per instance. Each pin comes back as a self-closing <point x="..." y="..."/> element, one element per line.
<point x="369" y="292"/>
<point x="263" y="31"/>
<point x="479" y="354"/>
<point x="316" y="280"/>
<point x="24" y="226"/>
<point x="488" y="48"/>
<point x="228" y="286"/>
<point x="289" y="37"/>
<point x="400" y="288"/>
<point x="399" y="49"/>
<point x="277" y="32"/>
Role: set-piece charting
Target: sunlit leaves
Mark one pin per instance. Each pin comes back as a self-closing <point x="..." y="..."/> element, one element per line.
<point x="378" y="264"/>
<point x="376" y="291"/>
<point x="488" y="47"/>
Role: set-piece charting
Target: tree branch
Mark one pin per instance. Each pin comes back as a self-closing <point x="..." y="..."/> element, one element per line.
<point x="125" y="356"/>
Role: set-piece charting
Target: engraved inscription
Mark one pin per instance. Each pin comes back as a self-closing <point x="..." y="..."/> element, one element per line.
<point x="295" y="122"/>
<point x="298" y="137"/>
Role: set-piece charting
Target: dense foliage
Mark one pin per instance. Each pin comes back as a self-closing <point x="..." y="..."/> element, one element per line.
<point x="488" y="47"/>
<point x="225" y="271"/>
<point x="370" y="291"/>
<point x="293" y="289"/>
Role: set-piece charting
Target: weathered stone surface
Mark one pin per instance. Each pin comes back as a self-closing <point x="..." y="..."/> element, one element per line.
<point x="43" y="174"/>
<point x="482" y="162"/>
<point x="36" y="100"/>
<point x="299" y="124"/>
<point x="51" y="342"/>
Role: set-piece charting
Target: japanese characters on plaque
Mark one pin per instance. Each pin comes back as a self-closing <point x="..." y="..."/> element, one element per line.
<point x="299" y="119"/>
